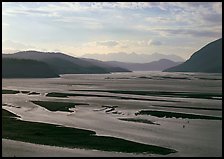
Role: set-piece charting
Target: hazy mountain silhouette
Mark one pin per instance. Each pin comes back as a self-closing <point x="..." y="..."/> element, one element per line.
<point x="64" y="64"/>
<point x="152" y="66"/>
<point x="23" y="68"/>
<point x="133" y="57"/>
<point x="107" y="66"/>
<point x="207" y="59"/>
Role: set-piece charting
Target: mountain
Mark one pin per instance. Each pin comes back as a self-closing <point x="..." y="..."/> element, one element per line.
<point x="133" y="57"/>
<point x="152" y="66"/>
<point x="107" y="66"/>
<point x="207" y="59"/>
<point x="23" y="68"/>
<point x="64" y="64"/>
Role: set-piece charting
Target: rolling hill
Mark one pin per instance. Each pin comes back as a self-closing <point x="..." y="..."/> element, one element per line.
<point x="208" y="59"/>
<point x="65" y="64"/>
<point x="23" y="68"/>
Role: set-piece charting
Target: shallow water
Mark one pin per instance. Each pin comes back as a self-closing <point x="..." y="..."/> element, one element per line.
<point x="197" y="138"/>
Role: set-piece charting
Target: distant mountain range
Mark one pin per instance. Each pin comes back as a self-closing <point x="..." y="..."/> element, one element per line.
<point x="152" y="66"/>
<point x="207" y="59"/>
<point x="61" y="63"/>
<point x="34" y="64"/>
<point x="133" y="57"/>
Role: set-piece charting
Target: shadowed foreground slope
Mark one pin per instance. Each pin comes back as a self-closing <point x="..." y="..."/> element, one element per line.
<point x="21" y="68"/>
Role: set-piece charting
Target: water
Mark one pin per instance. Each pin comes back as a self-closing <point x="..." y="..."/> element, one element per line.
<point x="199" y="137"/>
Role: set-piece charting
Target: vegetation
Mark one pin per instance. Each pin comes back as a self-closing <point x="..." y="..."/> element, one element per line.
<point x="55" y="135"/>
<point x="56" y="94"/>
<point x="145" y="121"/>
<point x="183" y="107"/>
<point x="21" y="68"/>
<point x="164" y="94"/>
<point x="57" y="106"/>
<point x="4" y="91"/>
<point x="166" y="114"/>
<point x="63" y="64"/>
<point x="25" y="92"/>
<point x="33" y="93"/>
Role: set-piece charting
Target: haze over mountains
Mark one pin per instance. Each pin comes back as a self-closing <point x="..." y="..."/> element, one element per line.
<point x="207" y="59"/>
<point x="151" y="66"/>
<point x="133" y="57"/>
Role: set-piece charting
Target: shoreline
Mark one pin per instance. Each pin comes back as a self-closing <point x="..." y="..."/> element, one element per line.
<point x="13" y="148"/>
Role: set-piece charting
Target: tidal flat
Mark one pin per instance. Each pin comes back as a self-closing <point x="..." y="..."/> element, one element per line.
<point x="56" y="135"/>
<point x="106" y="106"/>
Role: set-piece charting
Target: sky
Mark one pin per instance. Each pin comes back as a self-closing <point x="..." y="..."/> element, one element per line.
<point x="78" y="28"/>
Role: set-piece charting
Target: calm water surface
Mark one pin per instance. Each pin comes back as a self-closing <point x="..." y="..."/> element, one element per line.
<point x="198" y="137"/>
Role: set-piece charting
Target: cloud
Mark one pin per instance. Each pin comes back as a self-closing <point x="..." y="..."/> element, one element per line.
<point x="84" y="22"/>
<point x="158" y="19"/>
<point x="196" y="13"/>
<point x="5" y="24"/>
<point x="217" y="7"/>
<point x="126" y="43"/>
<point x="115" y="5"/>
<point x="185" y="12"/>
<point x="26" y="9"/>
<point x="213" y="18"/>
<point x="108" y="43"/>
<point x="154" y="42"/>
<point x="196" y="32"/>
<point x="13" y="45"/>
<point x="90" y="6"/>
<point x="91" y="26"/>
<point x="56" y="12"/>
<point x="74" y="7"/>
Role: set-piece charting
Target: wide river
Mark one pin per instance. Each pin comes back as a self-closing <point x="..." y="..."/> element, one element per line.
<point x="185" y="93"/>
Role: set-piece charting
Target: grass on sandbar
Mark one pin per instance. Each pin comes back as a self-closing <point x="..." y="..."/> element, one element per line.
<point x="145" y="121"/>
<point x="57" y="106"/>
<point x="4" y="91"/>
<point x="200" y="95"/>
<point x="166" y="114"/>
<point x="25" y="92"/>
<point x="65" y="95"/>
<point x="33" y="93"/>
<point x="55" y="135"/>
<point x="184" y="107"/>
<point x="56" y="94"/>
